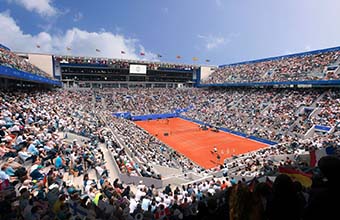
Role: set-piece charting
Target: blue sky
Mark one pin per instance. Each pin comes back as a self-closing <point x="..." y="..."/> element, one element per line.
<point x="223" y="31"/>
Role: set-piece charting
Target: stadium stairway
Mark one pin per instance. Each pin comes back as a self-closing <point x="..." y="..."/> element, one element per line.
<point x="78" y="181"/>
<point x="113" y="173"/>
<point x="315" y="112"/>
<point x="314" y="104"/>
<point x="167" y="171"/>
<point x="235" y="103"/>
<point x="269" y="103"/>
<point x="312" y="114"/>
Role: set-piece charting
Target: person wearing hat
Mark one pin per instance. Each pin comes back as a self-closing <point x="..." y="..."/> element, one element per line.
<point x="3" y="132"/>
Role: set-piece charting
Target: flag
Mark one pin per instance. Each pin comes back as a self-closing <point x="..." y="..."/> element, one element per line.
<point x="159" y="56"/>
<point x="38" y="46"/>
<point x="207" y="60"/>
<point x="178" y="57"/>
<point x="122" y="52"/>
<point x="194" y="58"/>
<point x="97" y="50"/>
<point x="68" y="48"/>
<point x="296" y="175"/>
<point x="142" y="54"/>
<point x="312" y="159"/>
<point x="316" y="155"/>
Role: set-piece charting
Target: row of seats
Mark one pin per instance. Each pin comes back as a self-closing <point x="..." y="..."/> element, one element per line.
<point x="293" y="68"/>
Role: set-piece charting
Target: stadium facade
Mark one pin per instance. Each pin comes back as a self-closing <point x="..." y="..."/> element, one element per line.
<point x="97" y="72"/>
<point x="92" y="72"/>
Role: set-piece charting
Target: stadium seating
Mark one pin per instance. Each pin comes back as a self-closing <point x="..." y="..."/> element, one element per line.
<point x="269" y="114"/>
<point x="45" y="175"/>
<point x="10" y="59"/>
<point x="122" y="63"/>
<point x="309" y="66"/>
<point x="37" y="160"/>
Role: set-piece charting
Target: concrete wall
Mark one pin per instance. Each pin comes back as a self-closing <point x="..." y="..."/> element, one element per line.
<point x="42" y="61"/>
<point x="206" y="71"/>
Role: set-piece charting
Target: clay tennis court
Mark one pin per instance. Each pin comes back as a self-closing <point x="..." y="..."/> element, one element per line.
<point x="188" y="139"/>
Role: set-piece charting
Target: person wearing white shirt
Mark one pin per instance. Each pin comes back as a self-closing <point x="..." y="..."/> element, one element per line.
<point x="19" y="140"/>
<point x="211" y="190"/>
<point x="24" y="155"/>
<point x="133" y="204"/>
<point x="88" y="186"/>
<point x="140" y="194"/>
<point x="204" y="187"/>
<point x="168" y="200"/>
<point x="91" y="193"/>
<point x="145" y="203"/>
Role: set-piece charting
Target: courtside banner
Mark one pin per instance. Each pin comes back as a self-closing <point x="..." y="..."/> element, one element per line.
<point x="137" y="69"/>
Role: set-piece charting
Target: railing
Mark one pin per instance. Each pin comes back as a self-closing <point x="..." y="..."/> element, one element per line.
<point x="126" y="178"/>
<point x="21" y="75"/>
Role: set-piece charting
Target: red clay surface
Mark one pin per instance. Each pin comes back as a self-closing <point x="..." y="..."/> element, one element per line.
<point x="186" y="138"/>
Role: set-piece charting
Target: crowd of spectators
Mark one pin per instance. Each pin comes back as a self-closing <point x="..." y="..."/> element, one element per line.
<point x="270" y="114"/>
<point x="123" y="161"/>
<point x="266" y="162"/>
<point x="147" y="101"/>
<point x="148" y="150"/>
<point x="265" y="113"/>
<point x="123" y="63"/>
<point x="326" y="113"/>
<point x="329" y="114"/>
<point x="293" y="68"/>
<point x="35" y="159"/>
<point x="10" y="59"/>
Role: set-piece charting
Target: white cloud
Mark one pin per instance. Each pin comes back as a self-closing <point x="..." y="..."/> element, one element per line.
<point x="42" y="7"/>
<point x="212" y="42"/>
<point x="77" y="17"/>
<point x="82" y="42"/>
